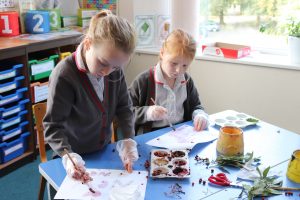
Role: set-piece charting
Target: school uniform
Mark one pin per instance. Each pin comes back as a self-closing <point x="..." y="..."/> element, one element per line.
<point x="80" y="107"/>
<point x="182" y="101"/>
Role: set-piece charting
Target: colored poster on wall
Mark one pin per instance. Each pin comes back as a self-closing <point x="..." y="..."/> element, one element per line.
<point x="101" y="4"/>
<point x="163" y="27"/>
<point x="145" y="29"/>
<point x="6" y="4"/>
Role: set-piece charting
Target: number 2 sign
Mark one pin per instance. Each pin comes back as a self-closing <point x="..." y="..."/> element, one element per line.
<point x="37" y="21"/>
<point x="9" y="24"/>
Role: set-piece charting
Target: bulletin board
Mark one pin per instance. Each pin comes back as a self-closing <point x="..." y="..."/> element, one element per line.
<point x="101" y="4"/>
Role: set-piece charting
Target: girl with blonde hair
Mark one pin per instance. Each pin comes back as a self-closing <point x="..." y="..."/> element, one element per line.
<point x="87" y="90"/>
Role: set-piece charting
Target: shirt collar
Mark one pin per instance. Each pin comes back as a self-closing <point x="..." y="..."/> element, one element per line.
<point x="159" y="78"/>
<point x="79" y="60"/>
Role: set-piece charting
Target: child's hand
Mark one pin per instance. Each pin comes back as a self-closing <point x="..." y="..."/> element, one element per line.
<point x="156" y="113"/>
<point x="128" y="153"/>
<point x="79" y="172"/>
<point x="200" y="122"/>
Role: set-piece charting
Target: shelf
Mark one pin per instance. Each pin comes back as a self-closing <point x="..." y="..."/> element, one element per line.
<point x="21" y="51"/>
<point x="13" y="164"/>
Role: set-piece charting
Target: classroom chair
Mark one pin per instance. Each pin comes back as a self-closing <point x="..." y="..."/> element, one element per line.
<point x="39" y="111"/>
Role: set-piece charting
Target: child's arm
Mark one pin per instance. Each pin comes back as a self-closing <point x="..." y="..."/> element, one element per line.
<point x="124" y="110"/>
<point x="193" y="97"/>
<point x="58" y="110"/>
<point x="138" y="92"/>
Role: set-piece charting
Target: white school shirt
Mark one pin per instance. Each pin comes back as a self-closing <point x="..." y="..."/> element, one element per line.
<point x="171" y="99"/>
<point x="97" y="83"/>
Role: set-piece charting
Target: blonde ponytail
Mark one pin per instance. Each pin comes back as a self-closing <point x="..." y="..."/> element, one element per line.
<point x="117" y="31"/>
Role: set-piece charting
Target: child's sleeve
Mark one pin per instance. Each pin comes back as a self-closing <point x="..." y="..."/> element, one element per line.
<point x="194" y="100"/>
<point x="138" y="92"/>
<point x="58" y="110"/>
<point x="124" y="112"/>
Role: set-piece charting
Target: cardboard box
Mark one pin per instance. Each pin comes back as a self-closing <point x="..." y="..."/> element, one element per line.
<point x="226" y="50"/>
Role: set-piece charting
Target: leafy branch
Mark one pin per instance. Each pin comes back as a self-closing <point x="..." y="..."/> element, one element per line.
<point x="235" y="161"/>
<point x="264" y="185"/>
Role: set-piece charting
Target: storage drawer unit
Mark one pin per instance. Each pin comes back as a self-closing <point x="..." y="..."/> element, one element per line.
<point x="5" y="123"/>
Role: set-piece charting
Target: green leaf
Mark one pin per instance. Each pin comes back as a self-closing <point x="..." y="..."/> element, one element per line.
<point x="252" y="120"/>
<point x="258" y="170"/>
<point x="272" y="191"/>
<point x="266" y="171"/>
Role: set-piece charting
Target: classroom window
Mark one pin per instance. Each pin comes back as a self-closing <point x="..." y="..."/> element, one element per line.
<point x="240" y="22"/>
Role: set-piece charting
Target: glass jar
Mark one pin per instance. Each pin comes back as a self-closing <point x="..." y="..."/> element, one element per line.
<point x="230" y="141"/>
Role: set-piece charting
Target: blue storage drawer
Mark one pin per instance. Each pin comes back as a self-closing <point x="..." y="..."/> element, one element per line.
<point x="16" y="130"/>
<point x="12" y="96"/>
<point x="7" y="86"/>
<point x="6" y="111"/>
<point x="11" y="150"/>
<point x="4" y="123"/>
<point x="10" y="72"/>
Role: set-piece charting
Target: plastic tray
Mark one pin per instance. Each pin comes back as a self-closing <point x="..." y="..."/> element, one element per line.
<point x="233" y="118"/>
<point x="6" y="111"/>
<point x="12" y="96"/>
<point x="10" y="72"/>
<point x="39" y="91"/>
<point x="5" y="123"/>
<point x="11" y="150"/>
<point x="12" y="132"/>
<point x="42" y="68"/>
<point x="11" y="85"/>
<point x="169" y="164"/>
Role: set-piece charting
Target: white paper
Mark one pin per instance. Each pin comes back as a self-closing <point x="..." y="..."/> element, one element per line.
<point x="108" y="184"/>
<point x="185" y="137"/>
<point x="40" y="93"/>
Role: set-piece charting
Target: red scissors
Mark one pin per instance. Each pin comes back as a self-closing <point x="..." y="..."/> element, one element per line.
<point x="222" y="180"/>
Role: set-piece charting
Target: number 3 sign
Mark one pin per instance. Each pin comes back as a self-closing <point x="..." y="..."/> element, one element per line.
<point x="9" y="24"/>
<point x="37" y="21"/>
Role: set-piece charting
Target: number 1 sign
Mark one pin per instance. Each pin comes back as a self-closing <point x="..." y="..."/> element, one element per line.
<point x="37" y="21"/>
<point x="9" y="24"/>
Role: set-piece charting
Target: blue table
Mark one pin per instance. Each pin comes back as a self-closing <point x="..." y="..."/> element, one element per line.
<point x="275" y="146"/>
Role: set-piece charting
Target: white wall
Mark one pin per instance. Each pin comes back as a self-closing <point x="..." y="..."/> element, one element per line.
<point x="270" y="94"/>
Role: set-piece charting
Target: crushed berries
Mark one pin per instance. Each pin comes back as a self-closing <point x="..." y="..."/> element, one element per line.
<point x="200" y="180"/>
<point x="147" y="164"/>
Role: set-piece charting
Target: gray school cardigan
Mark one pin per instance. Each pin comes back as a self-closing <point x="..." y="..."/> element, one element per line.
<point x="76" y="119"/>
<point x="143" y="88"/>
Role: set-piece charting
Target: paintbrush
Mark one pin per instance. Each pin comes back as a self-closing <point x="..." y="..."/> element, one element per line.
<point x="75" y="166"/>
<point x="170" y="124"/>
<point x="286" y="188"/>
